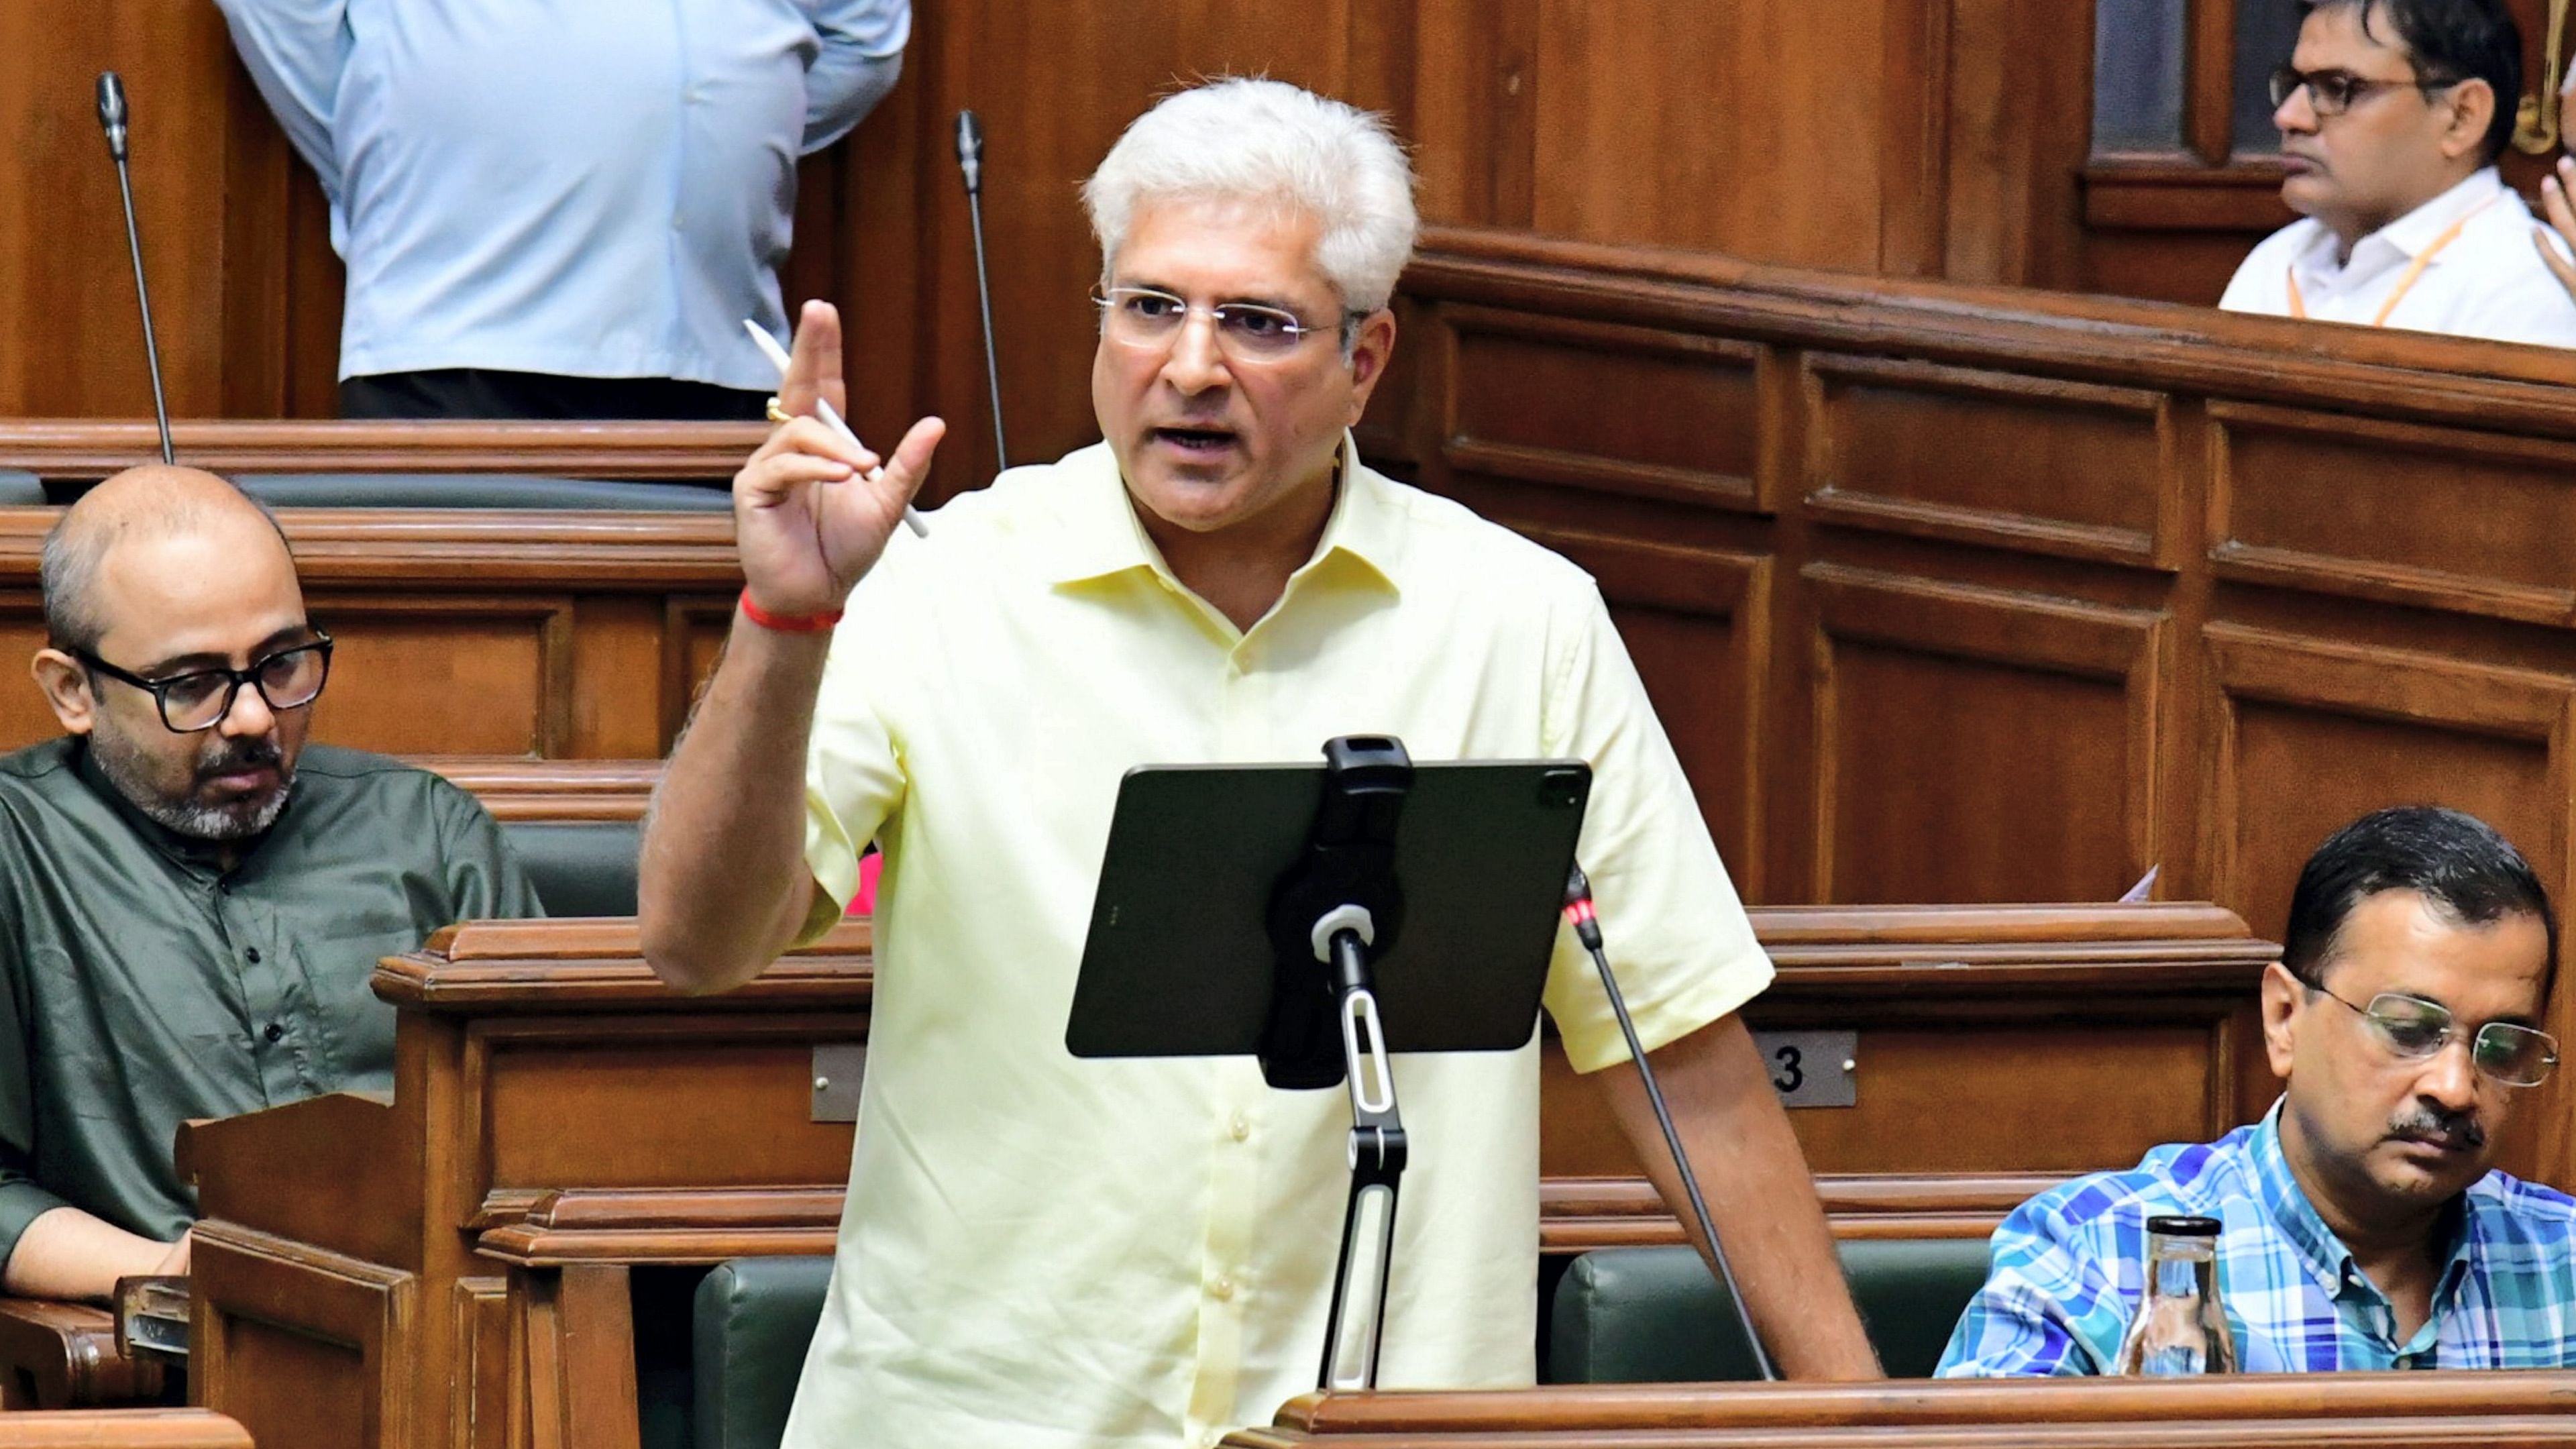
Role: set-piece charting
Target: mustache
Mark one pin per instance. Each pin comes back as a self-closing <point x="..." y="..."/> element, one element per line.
<point x="226" y="757"/>
<point x="2423" y="1123"/>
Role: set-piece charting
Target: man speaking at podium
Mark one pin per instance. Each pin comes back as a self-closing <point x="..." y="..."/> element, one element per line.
<point x="1046" y="1252"/>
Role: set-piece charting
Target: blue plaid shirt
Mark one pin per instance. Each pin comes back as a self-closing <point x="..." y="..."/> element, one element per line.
<point x="2070" y="1264"/>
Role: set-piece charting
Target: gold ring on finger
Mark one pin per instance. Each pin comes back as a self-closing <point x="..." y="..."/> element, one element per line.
<point x="779" y="416"/>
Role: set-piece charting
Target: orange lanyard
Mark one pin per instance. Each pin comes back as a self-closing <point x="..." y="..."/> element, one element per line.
<point x="2406" y="283"/>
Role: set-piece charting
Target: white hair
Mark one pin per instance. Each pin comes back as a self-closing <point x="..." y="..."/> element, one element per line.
<point x="1266" y="140"/>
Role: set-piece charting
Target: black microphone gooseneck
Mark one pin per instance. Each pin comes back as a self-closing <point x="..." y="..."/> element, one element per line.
<point x="1578" y="909"/>
<point x="970" y="164"/>
<point x="111" y="119"/>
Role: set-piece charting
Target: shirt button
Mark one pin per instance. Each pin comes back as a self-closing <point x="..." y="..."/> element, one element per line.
<point x="273" y="1034"/>
<point x="1240" y="1129"/>
<point x="679" y="223"/>
<point x="253" y="954"/>
<point x="1222" y="1290"/>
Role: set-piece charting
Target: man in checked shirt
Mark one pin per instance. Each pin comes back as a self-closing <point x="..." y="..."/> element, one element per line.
<point x="2361" y="1227"/>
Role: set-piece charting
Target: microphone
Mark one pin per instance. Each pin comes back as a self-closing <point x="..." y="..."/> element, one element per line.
<point x="970" y="165"/>
<point x="112" y="120"/>
<point x="1587" y="929"/>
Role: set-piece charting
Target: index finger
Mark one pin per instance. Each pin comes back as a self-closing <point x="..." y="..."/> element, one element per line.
<point x="814" y="365"/>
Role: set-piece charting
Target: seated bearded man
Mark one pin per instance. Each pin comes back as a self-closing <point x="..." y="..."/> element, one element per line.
<point x="194" y="899"/>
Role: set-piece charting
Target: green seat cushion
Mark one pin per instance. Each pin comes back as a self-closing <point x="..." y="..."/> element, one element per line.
<point x="754" y="1319"/>
<point x="580" y="868"/>
<point x="1657" y="1315"/>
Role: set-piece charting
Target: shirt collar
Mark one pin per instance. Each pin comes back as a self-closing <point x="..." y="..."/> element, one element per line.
<point x="2410" y="235"/>
<point x="2328" y="1261"/>
<point x="1102" y="536"/>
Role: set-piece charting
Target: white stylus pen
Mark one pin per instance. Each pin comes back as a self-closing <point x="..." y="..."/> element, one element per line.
<point x="831" y="416"/>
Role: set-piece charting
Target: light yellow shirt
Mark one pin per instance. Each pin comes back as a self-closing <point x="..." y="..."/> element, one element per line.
<point x="1045" y="1253"/>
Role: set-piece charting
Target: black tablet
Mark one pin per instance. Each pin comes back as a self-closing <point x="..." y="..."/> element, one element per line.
<point x="1179" y="959"/>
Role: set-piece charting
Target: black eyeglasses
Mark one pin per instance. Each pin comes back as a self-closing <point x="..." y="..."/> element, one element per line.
<point x="2414" y="1028"/>
<point x="201" y="698"/>
<point x="2332" y="92"/>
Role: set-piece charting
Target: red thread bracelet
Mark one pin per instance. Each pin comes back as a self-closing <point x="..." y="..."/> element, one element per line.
<point x="787" y="623"/>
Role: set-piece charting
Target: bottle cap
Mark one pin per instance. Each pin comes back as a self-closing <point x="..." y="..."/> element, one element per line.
<point x="2183" y="1227"/>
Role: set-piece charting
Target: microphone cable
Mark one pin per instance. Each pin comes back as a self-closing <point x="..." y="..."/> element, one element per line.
<point x="1587" y="929"/>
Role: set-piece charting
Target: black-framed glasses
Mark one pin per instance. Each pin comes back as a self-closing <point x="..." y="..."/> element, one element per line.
<point x="2333" y="92"/>
<point x="2414" y="1028"/>
<point x="201" y="698"/>
<point x="1245" y="331"/>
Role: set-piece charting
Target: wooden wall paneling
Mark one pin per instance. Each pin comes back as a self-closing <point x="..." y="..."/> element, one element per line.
<point x="1639" y="102"/>
<point x="1975" y="744"/>
<point x="1965" y="454"/>
<point x="1696" y="623"/>
<point x="2436" y="516"/>
<point x="1914" y="139"/>
<point x="430" y="675"/>
<point x="1474" y="108"/>
<point x="2018" y="126"/>
<point x="1629" y="410"/>
<point x="298" y="1343"/>
<point x="66" y="290"/>
<point x="2310" y="734"/>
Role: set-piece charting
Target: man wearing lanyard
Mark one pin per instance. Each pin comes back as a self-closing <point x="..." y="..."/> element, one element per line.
<point x="2392" y="115"/>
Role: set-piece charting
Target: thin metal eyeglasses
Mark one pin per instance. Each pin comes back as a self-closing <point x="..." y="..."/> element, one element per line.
<point x="201" y="698"/>
<point x="1246" y="331"/>
<point x="2414" y="1028"/>
<point x="2332" y="92"/>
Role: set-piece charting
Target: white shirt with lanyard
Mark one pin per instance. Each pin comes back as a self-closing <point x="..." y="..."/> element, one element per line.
<point x="2461" y="264"/>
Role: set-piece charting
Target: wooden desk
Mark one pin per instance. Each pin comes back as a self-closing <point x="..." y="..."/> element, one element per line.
<point x="340" y="1301"/>
<point x="122" y="1429"/>
<point x="2247" y="1412"/>
<point x="560" y="1117"/>
<point x="2139" y="1021"/>
<point x="76" y="449"/>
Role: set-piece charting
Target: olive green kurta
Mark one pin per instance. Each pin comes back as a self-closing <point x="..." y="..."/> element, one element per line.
<point x="145" y="986"/>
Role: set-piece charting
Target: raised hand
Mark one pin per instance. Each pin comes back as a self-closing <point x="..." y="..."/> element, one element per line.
<point x="2562" y="218"/>
<point x="809" y="519"/>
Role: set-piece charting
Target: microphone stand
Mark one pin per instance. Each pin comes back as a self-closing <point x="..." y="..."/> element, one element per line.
<point x="111" y="119"/>
<point x="970" y="164"/>
<point x="1587" y="929"/>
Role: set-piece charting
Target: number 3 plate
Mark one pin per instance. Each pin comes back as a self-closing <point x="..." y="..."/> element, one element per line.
<point x="1812" y="1068"/>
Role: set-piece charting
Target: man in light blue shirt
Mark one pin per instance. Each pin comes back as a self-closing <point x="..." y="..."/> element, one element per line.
<point x="2360" y="1226"/>
<point x="563" y="208"/>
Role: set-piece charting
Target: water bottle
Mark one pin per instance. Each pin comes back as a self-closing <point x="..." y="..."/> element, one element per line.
<point x="2180" y="1327"/>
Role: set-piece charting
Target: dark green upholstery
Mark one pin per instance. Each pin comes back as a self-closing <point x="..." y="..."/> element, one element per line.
<point x="580" y="868"/>
<point x="755" y="1317"/>
<point x="1656" y="1315"/>
<point x="476" y="490"/>
<point x="21" y="489"/>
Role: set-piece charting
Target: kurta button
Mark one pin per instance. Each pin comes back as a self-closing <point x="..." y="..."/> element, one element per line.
<point x="1240" y="1129"/>
<point x="274" y="1033"/>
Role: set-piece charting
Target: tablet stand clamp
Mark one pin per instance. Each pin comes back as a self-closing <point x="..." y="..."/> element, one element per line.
<point x="1331" y="914"/>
